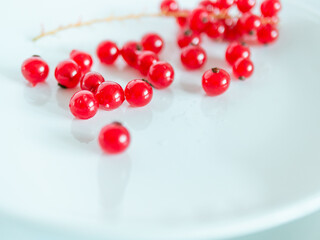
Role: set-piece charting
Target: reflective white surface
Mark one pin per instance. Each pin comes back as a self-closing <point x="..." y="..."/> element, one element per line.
<point x="197" y="167"/>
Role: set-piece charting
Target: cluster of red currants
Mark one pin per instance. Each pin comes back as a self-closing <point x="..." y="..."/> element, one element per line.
<point x="210" y="17"/>
<point x="95" y="91"/>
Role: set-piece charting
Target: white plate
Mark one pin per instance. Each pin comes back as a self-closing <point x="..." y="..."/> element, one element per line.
<point x="197" y="167"/>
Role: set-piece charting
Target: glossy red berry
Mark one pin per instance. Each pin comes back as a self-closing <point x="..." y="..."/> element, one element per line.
<point x="215" y="29"/>
<point x="35" y="70"/>
<point x="83" y="104"/>
<point x="267" y="34"/>
<point x="161" y="75"/>
<point x="169" y="6"/>
<point x="243" y="68"/>
<point x="183" y="20"/>
<point x="249" y="23"/>
<point x="232" y="31"/>
<point x="145" y="60"/>
<point x="83" y="59"/>
<point x="138" y="93"/>
<point x="236" y="51"/>
<point x="188" y="37"/>
<point x="225" y="4"/>
<point x="152" y="42"/>
<point x="114" y="138"/>
<point x="245" y="5"/>
<point x="107" y="52"/>
<point x="91" y="81"/>
<point x="110" y="95"/>
<point x="68" y="74"/>
<point x="270" y="8"/>
<point x="130" y="52"/>
<point x="215" y="81"/>
<point x="199" y="19"/>
<point x="193" y="57"/>
<point x="209" y="5"/>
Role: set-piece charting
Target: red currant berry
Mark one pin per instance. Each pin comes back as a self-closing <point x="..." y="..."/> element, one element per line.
<point x="183" y="20"/>
<point x="215" y="81"/>
<point x="110" y="95"/>
<point x="169" y="6"/>
<point x="215" y="29"/>
<point x="152" y="42"/>
<point x="193" y="57"/>
<point x="68" y="74"/>
<point x="249" y="23"/>
<point x="267" y="34"/>
<point x="232" y="30"/>
<point x="225" y="4"/>
<point x="199" y="19"/>
<point x="130" y="52"/>
<point x="188" y="37"/>
<point x="209" y="5"/>
<point x="243" y="68"/>
<point x="91" y="81"/>
<point x="161" y="75"/>
<point x="145" y="60"/>
<point x="270" y="8"/>
<point x="114" y="138"/>
<point x="138" y="93"/>
<point x="35" y="70"/>
<point x="83" y="59"/>
<point x="83" y="105"/>
<point x="245" y="5"/>
<point x="236" y="51"/>
<point x="107" y="52"/>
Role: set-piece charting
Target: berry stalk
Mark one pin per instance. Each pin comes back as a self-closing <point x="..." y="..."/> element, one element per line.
<point x="121" y="18"/>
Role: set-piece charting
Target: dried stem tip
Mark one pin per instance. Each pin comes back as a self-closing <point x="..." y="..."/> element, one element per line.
<point x="215" y="70"/>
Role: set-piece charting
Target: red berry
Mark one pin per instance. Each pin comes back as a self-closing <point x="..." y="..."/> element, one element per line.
<point x="110" y="95"/>
<point x="130" y="52"/>
<point x="243" y="68"/>
<point x="187" y="37"/>
<point x="35" y="70"/>
<point x="249" y="23"/>
<point x="107" y="52"/>
<point x="83" y="59"/>
<point x="91" y="81"/>
<point x="215" y="81"/>
<point x="68" y="74"/>
<point x="145" y="60"/>
<point x="267" y="34"/>
<point x="199" y="19"/>
<point x="270" y="8"/>
<point x="83" y="104"/>
<point x="152" y="42"/>
<point x="114" y="138"/>
<point x="193" y="57"/>
<point x="161" y="75"/>
<point x="209" y="5"/>
<point x="215" y="29"/>
<point x="236" y="51"/>
<point x="225" y="4"/>
<point x="169" y="6"/>
<point x="138" y="93"/>
<point x="183" y="20"/>
<point x="232" y="30"/>
<point x="245" y="5"/>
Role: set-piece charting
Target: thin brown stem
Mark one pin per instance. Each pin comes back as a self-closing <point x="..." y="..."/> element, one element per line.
<point x="122" y="18"/>
<point x="101" y="20"/>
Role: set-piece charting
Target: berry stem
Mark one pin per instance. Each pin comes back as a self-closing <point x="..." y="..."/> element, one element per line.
<point x="128" y="17"/>
<point x="98" y="20"/>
